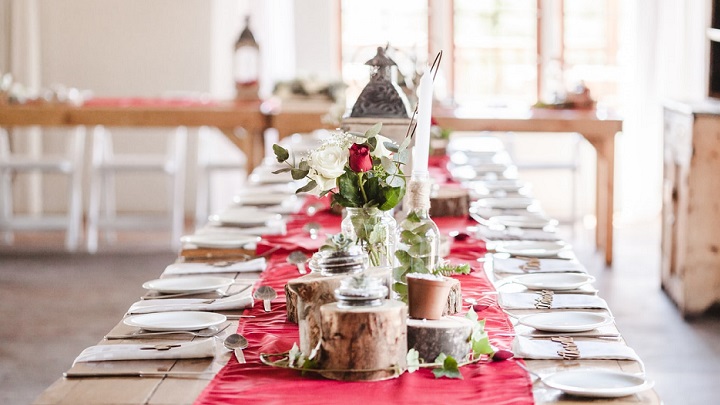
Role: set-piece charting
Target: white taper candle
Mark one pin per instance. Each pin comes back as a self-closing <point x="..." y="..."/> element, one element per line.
<point x="422" y="132"/>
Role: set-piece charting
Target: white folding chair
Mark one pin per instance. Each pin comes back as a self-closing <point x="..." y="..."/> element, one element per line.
<point x="106" y="164"/>
<point x="70" y="165"/>
<point x="216" y="155"/>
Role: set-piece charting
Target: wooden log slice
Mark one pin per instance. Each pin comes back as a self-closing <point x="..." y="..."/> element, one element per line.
<point x="450" y="202"/>
<point x="363" y="343"/>
<point x="305" y="295"/>
<point x="449" y="335"/>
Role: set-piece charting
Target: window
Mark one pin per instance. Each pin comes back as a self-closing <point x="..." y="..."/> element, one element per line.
<point x="497" y="52"/>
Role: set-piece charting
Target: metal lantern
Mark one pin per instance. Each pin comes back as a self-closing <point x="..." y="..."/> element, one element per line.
<point x="381" y="98"/>
<point x="246" y="64"/>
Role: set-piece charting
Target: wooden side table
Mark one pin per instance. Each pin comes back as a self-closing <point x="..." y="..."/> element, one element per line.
<point x="691" y="205"/>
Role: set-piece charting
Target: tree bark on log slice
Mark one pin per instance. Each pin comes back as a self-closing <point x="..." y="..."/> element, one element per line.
<point x="305" y="295"/>
<point x="449" y="335"/>
<point x="363" y="343"/>
<point x="454" y="302"/>
<point x="450" y="202"/>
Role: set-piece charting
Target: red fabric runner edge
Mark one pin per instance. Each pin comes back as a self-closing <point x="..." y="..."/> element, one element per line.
<point x="487" y="383"/>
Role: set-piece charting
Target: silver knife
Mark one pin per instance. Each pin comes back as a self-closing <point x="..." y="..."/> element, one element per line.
<point x="108" y="374"/>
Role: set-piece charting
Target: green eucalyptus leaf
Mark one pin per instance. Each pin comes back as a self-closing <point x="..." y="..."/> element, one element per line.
<point x="388" y="165"/>
<point x="298" y="174"/>
<point x="403" y="257"/>
<point x="373" y="130"/>
<point x="281" y="154"/>
<point x="396" y="182"/>
<point x="372" y="142"/>
<point x="391" y="146"/>
<point x="400" y="272"/>
<point x="283" y="170"/>
<point x="422" y="229"/>
<point x="413" y="217"/>
<point x="304" y="189"/>
<point x="402" y="156"/>
<point x="304" y="165"/>
<point x="401" y="290"/>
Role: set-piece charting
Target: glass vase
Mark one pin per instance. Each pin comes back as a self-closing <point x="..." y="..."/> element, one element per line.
<point x="418" y="248"/>
<point x="374" y="231"/>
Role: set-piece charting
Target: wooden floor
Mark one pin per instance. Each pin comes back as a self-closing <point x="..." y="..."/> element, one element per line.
<point x="54" y="304"/>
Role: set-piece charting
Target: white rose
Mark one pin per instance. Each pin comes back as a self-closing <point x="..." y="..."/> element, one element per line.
<point x="327" y="164"/>
<point x="323" y="183"/>
<point x="380" y="149"/>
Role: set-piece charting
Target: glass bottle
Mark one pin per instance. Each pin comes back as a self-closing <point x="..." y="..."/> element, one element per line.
<point x="418" y="236"/>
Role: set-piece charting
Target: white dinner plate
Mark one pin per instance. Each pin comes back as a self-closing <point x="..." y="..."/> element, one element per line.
<point x="245" y="217"/>
<point x="533" y="249"/>
<point x="506" y="203"/>
<point x="220" y="240"/>
<point x="565" y="321"/>
<point x="524" y="221"/>
<point x="503" y="185"/>
<point x="189" y="284"/>
<point x="597" y="383"/>
<point x="178" y="320"/>
<point x="261" y="199"/>
<point x="554" y="281"/>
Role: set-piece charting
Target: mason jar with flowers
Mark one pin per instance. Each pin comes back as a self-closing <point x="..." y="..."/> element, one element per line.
<point x="363" y="173"/>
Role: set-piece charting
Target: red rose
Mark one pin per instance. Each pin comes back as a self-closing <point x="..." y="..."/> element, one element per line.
<point x="360" y="160"/>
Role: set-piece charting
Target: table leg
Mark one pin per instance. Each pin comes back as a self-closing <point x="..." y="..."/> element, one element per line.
<point x="250" y="141"/>
<point x="605" y="195"/>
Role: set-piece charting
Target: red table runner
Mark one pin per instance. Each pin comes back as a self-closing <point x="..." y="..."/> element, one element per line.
<point x="269" y="332"/>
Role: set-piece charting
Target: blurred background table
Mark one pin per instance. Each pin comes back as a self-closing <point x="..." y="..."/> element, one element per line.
<point x="597" y="127"/>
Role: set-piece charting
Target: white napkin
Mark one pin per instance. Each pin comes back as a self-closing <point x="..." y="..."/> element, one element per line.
<point x="187" y="350"/>
<point x="272" y="228"/>
<point x="512" y="265"/>
<point x="540" y="349"/>
<point x="238" y="301"/>
<point x="516" y="234"/>
<point x="560" y="301"/>
<point x="258" y="264"/>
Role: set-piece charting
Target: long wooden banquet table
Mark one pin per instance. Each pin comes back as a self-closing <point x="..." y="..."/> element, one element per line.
<point x="221" y="379"/>
<point x="597" y="127"/>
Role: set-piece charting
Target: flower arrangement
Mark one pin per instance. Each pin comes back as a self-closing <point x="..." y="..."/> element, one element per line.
<point x="362" y="172"/>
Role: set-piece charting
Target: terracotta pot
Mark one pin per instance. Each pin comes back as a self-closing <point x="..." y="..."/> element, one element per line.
<point x="427" y="298"/>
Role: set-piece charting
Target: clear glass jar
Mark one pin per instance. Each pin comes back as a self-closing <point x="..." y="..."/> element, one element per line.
<point x="349" y="261"/>
<point x="374" y="231"/>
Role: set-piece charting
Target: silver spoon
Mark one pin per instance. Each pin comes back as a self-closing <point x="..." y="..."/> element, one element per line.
<point x="266" y="294"/>
<point x="236" y="342"/>
<point x="298" y="258"/>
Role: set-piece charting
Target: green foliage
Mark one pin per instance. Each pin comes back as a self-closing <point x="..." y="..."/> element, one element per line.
<point x="311" y="185"/>
<point x="479" y="340"/>
<point x="445" y="268"/>
<point x="413" y="360"/>
<point x="281" y="154"/>
<point x="449" y="367"/>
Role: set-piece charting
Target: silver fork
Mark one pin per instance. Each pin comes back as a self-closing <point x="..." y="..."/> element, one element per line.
<point x="210" y="332"/>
